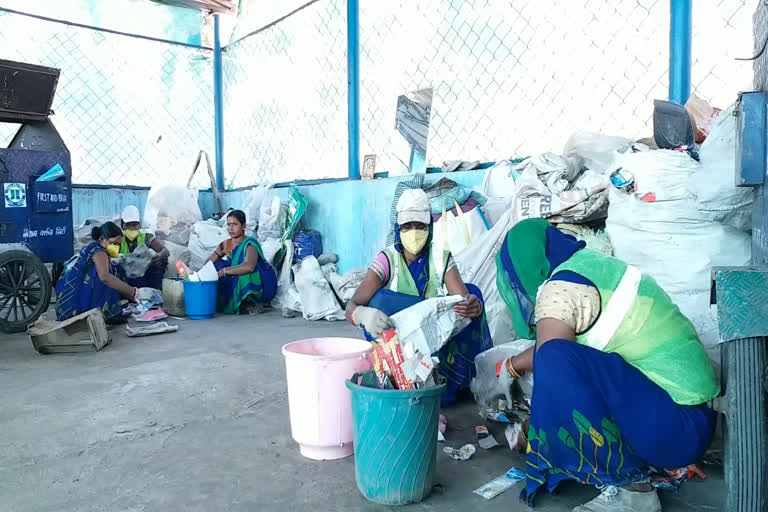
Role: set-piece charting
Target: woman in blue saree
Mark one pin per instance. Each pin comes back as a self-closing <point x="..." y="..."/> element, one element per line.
<point x="409" y="272"/>
<point x="89" y="280"/>
<point x="247" y="282"/>
<point x="622" y="380"/>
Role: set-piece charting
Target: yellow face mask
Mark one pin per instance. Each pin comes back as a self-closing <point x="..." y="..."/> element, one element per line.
<point x="113" y="250"/>
<point x="131" y="234"/>
<point x="414" y="240"/>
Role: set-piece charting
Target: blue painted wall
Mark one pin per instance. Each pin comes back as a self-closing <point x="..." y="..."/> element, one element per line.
<point x="104" y="202"/>
<point x="353" y="216"/>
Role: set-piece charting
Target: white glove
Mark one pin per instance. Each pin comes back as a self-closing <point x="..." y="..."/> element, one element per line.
<point x="374" y="320"/>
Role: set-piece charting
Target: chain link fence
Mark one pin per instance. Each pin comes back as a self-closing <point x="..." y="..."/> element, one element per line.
<point x="131" y="111"/>
<point x="285" y="99"/>
<point x="517" y="77"/>
<point x="509" y="78"/>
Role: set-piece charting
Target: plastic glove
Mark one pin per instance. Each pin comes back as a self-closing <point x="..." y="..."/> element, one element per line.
<point x="373" y="320"/>
<point x="145" y="293"/>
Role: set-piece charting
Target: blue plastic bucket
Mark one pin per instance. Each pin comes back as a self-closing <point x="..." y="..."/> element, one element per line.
<point x="200" y="299"/>
<point x="395" y="440"/>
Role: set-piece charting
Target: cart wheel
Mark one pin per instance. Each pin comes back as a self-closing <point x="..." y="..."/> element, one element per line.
<point x="25" y="290"/>
<point x="746" y="439"/>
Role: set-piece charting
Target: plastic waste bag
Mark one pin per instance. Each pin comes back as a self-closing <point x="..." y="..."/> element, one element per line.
<point x="170" y="213"/>
<point x="272" y="217"/>
<point x="598" y="151"/>
<point x="287" y="298"/>
<point x="297" y="206"/>
<point x="308" y="243"/>
<point x="477" y="265"/>
<point x="702" y="115"/>
<point x="660" y="230"/>
<point x="486" y="386"/>
<point x="345" y="285"/>
<point x="455" y="232"/>
<point x="429" y="324"/>
<point x="177" y="253"/>
<point x="83" y="232"/>
<point x="499" y="180"/>
<point x="714" y="184"/>
<point x="317" y="298"/>
<point x="135" y="264"/>
<point x="252" y="205"/>
<point x="206" y="235"/>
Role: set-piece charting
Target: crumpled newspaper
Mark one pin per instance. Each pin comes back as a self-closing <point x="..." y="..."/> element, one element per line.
<point x="135" y="264"/>
<point x="428" y="325"/>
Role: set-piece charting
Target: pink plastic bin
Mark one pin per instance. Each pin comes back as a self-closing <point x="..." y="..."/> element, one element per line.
<point x="316" y="370"/>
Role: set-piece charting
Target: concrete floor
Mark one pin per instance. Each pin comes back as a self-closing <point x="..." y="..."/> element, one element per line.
<point x="198" y="421"/>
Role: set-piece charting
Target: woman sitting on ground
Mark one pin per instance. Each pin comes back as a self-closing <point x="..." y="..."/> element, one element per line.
<point x="247" y="282"/>
<point x="622" y="380"/>
<point x="409" y="272"/>
<point x="89" y="279"/>
<point x="133" y="238"/>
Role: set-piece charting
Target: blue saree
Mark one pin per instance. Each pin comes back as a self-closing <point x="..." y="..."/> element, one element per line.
<point x="260" y="285"/>
<point x="80" y="288"/>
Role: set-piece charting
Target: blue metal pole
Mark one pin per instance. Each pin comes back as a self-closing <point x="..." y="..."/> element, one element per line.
<point x="680" y="28"/>
<point x="218" y="105"/>
<point x="353" y="86"/>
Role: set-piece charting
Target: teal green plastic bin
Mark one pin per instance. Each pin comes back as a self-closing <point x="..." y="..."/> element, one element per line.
<point x="395" y="440"/>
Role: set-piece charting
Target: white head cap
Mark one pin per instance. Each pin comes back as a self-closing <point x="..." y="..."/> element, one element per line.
<point x="413" y="206"/>
<point x="130" y="214"/>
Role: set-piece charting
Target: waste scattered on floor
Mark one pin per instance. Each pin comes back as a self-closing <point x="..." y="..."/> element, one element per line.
<point x="464" y="453"/>
<point x="501" y="483"/>
<point x="149" y="330"/>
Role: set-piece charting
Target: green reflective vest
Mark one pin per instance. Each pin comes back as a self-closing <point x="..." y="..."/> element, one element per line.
<point x="639" y="321"/>
<point x="401" y="281"/>
<point x="124" y="249"/>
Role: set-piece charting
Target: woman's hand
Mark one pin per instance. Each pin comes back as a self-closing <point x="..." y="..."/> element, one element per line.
<point x="470" y="307"/>
<point x="222" y="272"/>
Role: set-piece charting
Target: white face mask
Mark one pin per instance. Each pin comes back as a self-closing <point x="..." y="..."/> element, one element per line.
<point x="414" y="240"/>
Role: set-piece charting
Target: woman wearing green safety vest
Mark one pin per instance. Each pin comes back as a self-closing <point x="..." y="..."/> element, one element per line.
<point x="134" y="237"/>
<point x="621" y="379"/>
<point x="409" y="272"/>
<point x="247" y="282"/>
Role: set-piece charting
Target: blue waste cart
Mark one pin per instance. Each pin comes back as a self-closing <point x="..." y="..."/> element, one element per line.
<point x="35" y="216"/>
